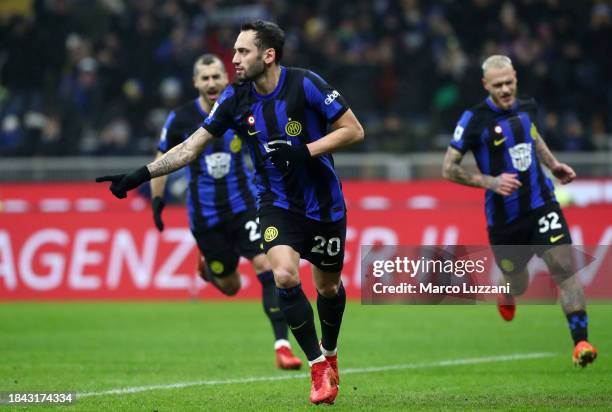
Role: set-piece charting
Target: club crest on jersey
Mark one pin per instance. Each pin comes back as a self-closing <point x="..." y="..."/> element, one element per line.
<point x="533" y="131"/>
<point x="235" y="144"/>
<point x="293" y="128"/>
<point x="521" y="156"/>
<point x="251" y="120"/>
<point x="218" y="164"/>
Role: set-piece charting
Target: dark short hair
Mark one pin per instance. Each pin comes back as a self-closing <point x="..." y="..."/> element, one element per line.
<point x="267" y="36"/>
<point x="206" y="59"/>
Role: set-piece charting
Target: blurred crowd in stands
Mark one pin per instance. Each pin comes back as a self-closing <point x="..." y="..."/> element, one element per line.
<point x="98" y="77"/>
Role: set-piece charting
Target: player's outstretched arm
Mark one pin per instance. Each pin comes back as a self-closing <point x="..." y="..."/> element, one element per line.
<point x="345" y="131"/>
<point x="181" y="155"/>
<point x="562" y="171"/>
<point x="174" y="159"/>
<point x="158" y="184"/>
<point x="504" y="184"/>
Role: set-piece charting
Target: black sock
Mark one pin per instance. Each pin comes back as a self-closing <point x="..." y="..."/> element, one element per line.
<point x="578" y="323"/>
<point x="300" y="319"/>
<point x="330" y="315"/>
<point x="269" y="298"/>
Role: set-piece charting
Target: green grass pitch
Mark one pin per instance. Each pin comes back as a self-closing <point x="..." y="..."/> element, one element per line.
<point x="220" y="357"/>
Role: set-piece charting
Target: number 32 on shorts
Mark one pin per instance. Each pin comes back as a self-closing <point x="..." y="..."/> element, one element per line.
<point x="331" y="246"/>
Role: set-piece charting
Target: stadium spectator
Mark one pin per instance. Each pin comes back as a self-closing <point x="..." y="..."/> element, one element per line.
<point x="411" y="58"/>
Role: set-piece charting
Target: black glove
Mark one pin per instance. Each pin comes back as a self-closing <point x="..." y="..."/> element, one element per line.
<point x="285" y="156"/>
<point x="158" y="205"/>
<point x="121" y="184"/>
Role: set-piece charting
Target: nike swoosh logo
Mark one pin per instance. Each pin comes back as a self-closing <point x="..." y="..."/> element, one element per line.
<point x="500" y="141"/>
<point x="329" y="324"/>
<point x="253" y="133"/>
<point x="328" y="263"/>
<point x="273" y="310"/>
<point x="297" y="327"/>
<point x="554" y="239"/>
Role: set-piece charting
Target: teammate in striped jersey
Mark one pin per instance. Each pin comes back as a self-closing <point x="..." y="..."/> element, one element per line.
<point x="520" y="203"/>
<point x="221" y="203"/>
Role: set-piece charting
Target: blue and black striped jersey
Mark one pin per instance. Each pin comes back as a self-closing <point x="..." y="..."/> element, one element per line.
<point x="503" y="141"/>
<point x="299" y="111"/>
<point x="220" y="183"/>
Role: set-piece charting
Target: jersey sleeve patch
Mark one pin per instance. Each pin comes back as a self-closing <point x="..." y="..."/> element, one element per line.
<point x="220" y="119"/>
<point x="460" y="139"/>
<point x="323" y="97"/>
<point x="163" y="137"/>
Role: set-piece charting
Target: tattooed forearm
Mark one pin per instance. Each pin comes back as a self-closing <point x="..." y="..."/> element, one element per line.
<point x="158" y="184"/>
<point x="173" y="160"/>
<point x="180" y="155"/>
<point x="459" y="174"/>
<point x="544" y="153"/>
<point x="453" y="170"/>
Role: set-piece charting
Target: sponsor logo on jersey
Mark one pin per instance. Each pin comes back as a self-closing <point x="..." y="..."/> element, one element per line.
<point x="331" y="97"/>
<point x="521" y="156"/>
<point x="218" y="164"/>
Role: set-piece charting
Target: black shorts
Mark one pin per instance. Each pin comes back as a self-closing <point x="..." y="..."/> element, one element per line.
<point x="223" y="244"/>
<point x="320" y="243"/>
<point x="542" y="229"/>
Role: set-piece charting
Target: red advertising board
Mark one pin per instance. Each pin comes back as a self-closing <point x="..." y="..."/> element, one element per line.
<point x="74" y="241"/>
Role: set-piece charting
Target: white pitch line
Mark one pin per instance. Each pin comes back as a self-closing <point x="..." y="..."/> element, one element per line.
<point x="344" y="371"/>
